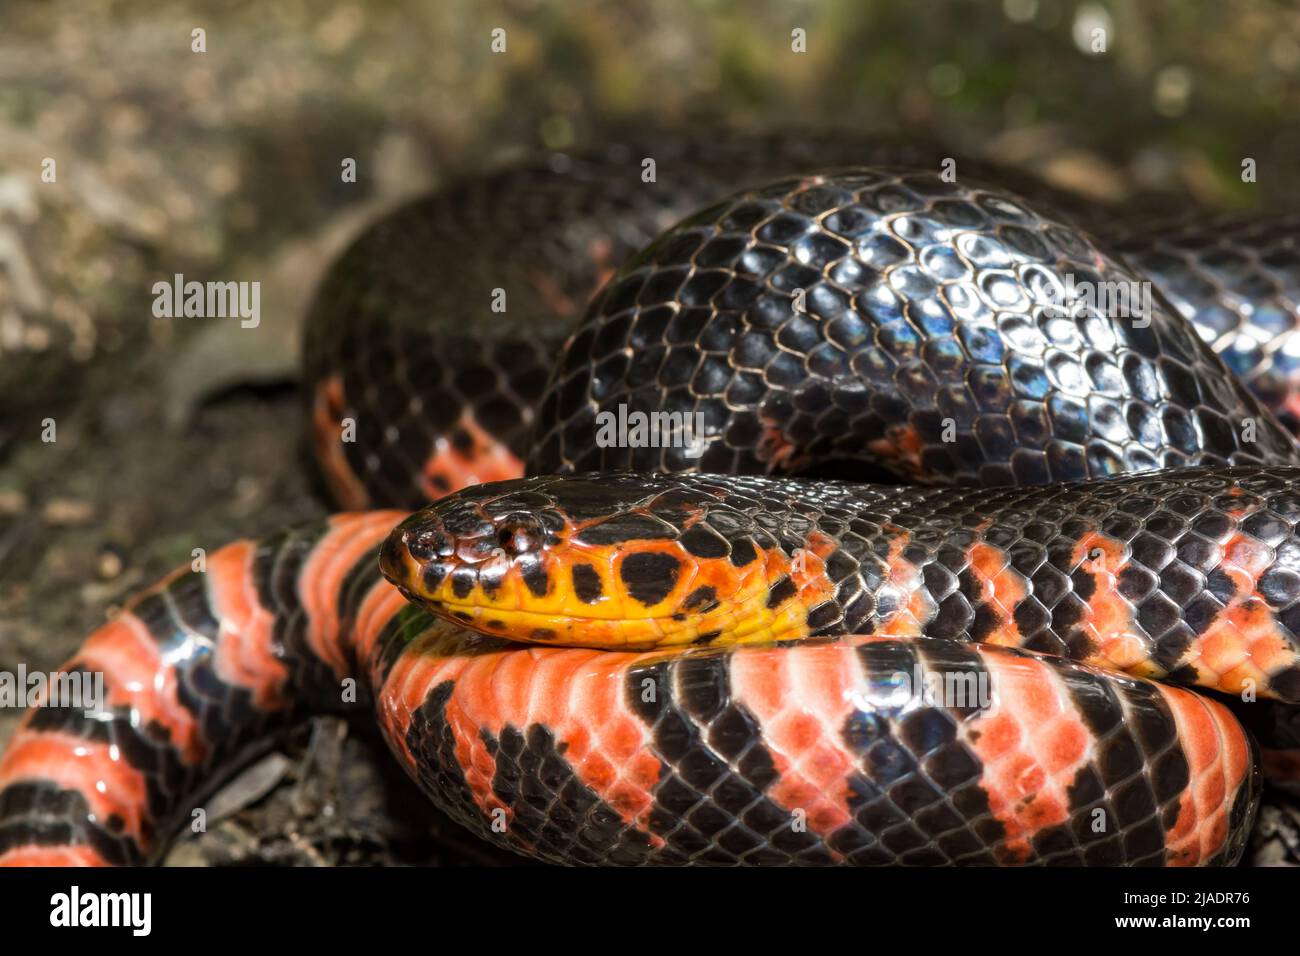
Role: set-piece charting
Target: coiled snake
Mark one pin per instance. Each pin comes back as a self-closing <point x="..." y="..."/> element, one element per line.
<point x="666" y="651"/>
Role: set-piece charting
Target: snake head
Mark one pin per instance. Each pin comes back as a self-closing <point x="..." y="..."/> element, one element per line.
<point x="621" y="560"/>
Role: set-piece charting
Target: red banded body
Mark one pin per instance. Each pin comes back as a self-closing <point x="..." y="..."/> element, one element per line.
<point x="817" y="754"/>
<point x="197" y="671"/>
<point x="864" y="751"/>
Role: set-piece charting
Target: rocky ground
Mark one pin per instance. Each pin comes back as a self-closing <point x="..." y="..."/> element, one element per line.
<point x="224" y="163"/>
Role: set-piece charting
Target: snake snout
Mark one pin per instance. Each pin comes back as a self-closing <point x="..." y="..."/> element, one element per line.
<point x="402" y="552"/>
<point x="420" y="552"/>
<point x="428" y="544"/>
<point x="474" y="561"/>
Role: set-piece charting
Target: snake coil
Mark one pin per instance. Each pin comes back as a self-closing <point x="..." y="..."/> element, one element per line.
<point x="710" y="652"/>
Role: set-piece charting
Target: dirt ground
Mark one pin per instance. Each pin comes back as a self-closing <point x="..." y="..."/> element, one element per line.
<point x="171" y="434"/>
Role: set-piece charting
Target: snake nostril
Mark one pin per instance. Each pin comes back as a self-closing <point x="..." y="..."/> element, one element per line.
<point x="424" y="546"/>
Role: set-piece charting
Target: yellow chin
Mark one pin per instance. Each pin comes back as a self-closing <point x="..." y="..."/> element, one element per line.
<point x="745" y="625"/>
<point x="704" y="600"/>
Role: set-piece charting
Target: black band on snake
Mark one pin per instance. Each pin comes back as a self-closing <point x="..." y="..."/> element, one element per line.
<point x="1021" y="643"/>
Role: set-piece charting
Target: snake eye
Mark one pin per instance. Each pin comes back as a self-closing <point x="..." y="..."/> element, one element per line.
<point x="520" y="534"/>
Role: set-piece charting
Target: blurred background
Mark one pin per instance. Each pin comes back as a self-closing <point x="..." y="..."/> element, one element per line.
<point x="224" y="164"/>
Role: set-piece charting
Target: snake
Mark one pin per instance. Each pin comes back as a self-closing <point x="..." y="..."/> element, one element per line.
<point x="958" y="565"/>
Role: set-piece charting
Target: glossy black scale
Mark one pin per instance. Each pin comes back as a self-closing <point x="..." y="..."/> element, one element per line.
<point x="893" y="317"/>
<point x="406" y="318"/>
<point x="1238" y="280"/>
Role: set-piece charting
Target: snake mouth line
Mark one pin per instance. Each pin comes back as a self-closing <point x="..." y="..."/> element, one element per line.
<point x="734" y="626"/>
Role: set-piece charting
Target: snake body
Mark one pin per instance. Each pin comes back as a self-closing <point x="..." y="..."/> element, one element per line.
<point x="668" y="654"/>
